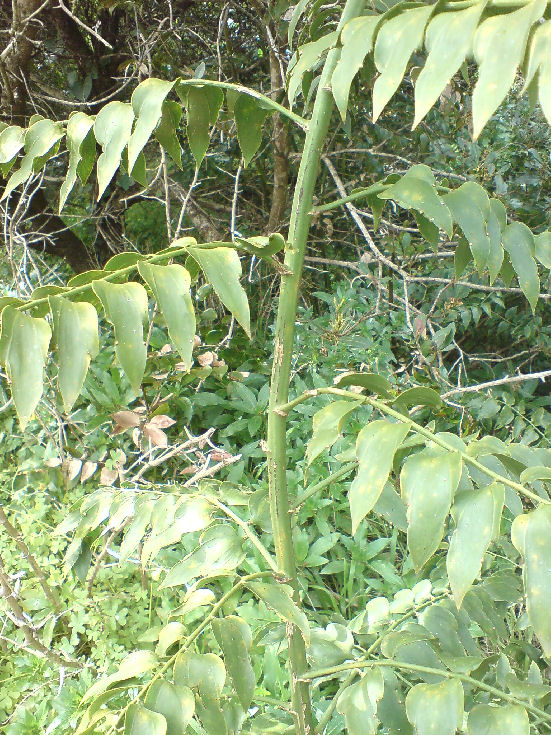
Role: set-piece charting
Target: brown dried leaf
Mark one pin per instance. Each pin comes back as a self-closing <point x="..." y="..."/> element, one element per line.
<point x="125" y="419"/>
<point x="156" y="436"/>
<point x="52" y="462"/>
<point x="205" y="359"/>
<point x="72" y="468"/>
<point x="219" y="455"/>
<point x="107" y="476"/>
<point x="191" y="470"/>
<point x="196" y="341"/>
<point x="161" y="421"/>
<point x="88" y="469"/>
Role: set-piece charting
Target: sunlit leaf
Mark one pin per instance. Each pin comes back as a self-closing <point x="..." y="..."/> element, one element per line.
<point x="506" y="719"/>
<point x="175" y="703"/>
<point x="141" y="721"/>
<point x="518" y="241"/>
<point x="375" y="448"/>
<point x="358" y="703"/>
<point x="435" y="708"/>
<point x="112" y="129"/>
<point x="327" y="424"/>
<point x="357" y="41"/>
<point x="203" y="672"/>
<point x="147" y="103"/>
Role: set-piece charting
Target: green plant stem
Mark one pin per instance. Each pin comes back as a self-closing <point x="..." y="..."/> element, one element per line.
<point x="335" y="670"/>
<point x="299" y="228"/>
<point x="266" y="101"/>
<point x="361" y="194"/>
<point x="313" y="489"/>
<point x="372" y="648"/>
<point x="284" y="409"/>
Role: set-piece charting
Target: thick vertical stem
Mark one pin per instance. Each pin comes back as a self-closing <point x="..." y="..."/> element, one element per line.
<point x="283" y="350"/>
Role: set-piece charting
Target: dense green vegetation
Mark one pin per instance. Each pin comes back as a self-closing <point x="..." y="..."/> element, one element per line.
<point x="214" y="521"/>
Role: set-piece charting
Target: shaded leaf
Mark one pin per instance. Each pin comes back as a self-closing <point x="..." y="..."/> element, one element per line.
<point x="78" y="130"/>
<point x="470" y="208"/>
<point x="370" y="381"/>
<point x="165" y="132"/>
<point x="198" y="122"/>
<point x="305" y="59"/>
<point x="249" y="117"/>
<point x="518" y="241"/>
<point x="235" y="639"/>
<point x="175" y="703"/>
<point x="279" y="598"/>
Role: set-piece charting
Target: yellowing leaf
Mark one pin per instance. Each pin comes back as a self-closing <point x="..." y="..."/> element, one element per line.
<point x="76" y="341"/>
<point x="505" y="719"/>
<point x="375" y="448"/>
<point x="171" y="287"/>
<point x="357" y="41"/>
<point x="429" y="480"/>
<point x="112" y="128"/>
<point x="499" y="47"/>
<point x="125" y="307"/>
<point x="24" y="345"/>
<point x="448" y="41"/>
<point x="435" y="708"/>
<point x="531" y="534"/>
<point x="327" y="424"/>
<point x="204" y="672"/>
<point x="397" y="39"/>
<point x="477" y="517"/>
<point x="222" y="269"/>
<point x="141" y="721"/>
<point x="147" y="103"/>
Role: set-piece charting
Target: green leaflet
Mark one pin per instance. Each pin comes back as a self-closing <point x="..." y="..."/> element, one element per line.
<point x="125" y="307"/>
<point x="445" y="55"/>
<point x="358" y="703"/>
<point x="203" y="672"/>
<point x="75" y="335"/>
<point x="141" y="721"/>
<point x="428" y="480"/>
<point x="249" y="117"/>
<point x="518" y="242"/>
<point x="397" y="39"/>
<point x="327" y="424"/>
<point x="499" y="47"/>
<point x="165" y="132"/>
<point x="543" y="248"/>
<point x="279" y="598"/>
<point x="24" y="343"/>
<point x="477" y="515"/>
<point x="222" y="269"/>
<point x="220" y="552"/>
<point x="135" y="664"/>
<point x="11" y="142"/>
<point x="435" y="708"/>
<point x="136" y="529"/>
<point x="40" y="139"/>
<point x="372" y="382"/>
<point x="298" y="10"/>
<point x="416" y="190"/>
<point x="306" y="59"/>
<point x="147" y="102"/>
<point x="531" y="534"/>
<point x="175" y="703"/>
<point x="357" y="41"/>
<point x="506" y="719"/>
<point x="470" y="208"/>
<point x="80" y="154"/>
<point x="375" y="448"/>
<point x="112" y="128"/>
<point x="198" y="122"/>
<point x="540" y="64"/>
<point x="497" y="221"/>
<point x="170" y="285"/>
<point x="417" y="396"/>
<point x="235" y="639"/>
<point x="211" y="716"/>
